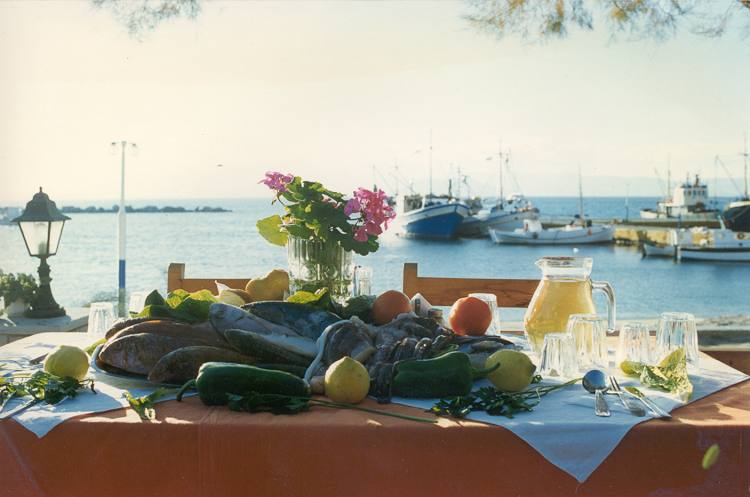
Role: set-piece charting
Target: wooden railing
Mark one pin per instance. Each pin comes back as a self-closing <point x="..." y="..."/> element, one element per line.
<point x="445" y="291"/>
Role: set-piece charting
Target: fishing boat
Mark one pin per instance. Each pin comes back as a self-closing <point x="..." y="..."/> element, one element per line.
<point x="703" y="244"/>
<point x="533" y="233"/>
<point x="579" y="231"/>
<point x="507" y="214"/>
<point x="431" y="216"/>
<point x="736" y="215"/>
<point x="504" y="216"/>
<point x="689" y="202"/>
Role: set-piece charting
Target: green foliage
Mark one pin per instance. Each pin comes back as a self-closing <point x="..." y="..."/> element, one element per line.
<point x="494" y="402"/>
<point x="179" y="305"/>
<point x="321" y="299"/>
<point x="142" y="16"/>
<point x="360" y="306"/>
<point x="42" y="386"/>
<point x="17" y="286"/>
<point x="669" y="375"/>
<point x="313" y="212"/>
<point x="144" y="405"/>
<point x="270" y="228"/>
<point x="649" y="19"/>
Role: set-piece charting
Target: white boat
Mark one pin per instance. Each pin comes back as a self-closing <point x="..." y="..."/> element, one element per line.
<point x="534" y="234"/>
<point x="579" y="231"/>
<point x="703" y="244"/>
<point x="504" y="216"/>
<point x="689" y="202"/>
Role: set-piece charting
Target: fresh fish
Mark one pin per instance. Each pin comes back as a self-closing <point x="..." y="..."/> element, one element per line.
<point x="225" y="317"/>
<point x="182" y="364"/>
<point x="121" y="325"/>
<point x="199" y="334"/>
<point x="348" y="338"/>
<point x="138" y="354"/>
<point x="283" y="349"/>
<point x="305" y="319"/>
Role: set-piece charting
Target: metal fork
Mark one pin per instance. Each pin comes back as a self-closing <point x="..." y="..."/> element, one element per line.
<point x="629" y="405"/>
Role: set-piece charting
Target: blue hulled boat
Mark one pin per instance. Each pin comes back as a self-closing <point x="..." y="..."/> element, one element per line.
<point x="432" y="217"/>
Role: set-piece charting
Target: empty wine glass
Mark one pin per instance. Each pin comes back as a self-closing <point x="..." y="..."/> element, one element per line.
<point x="677" y="329"/>
<point x="491" y="300"/>
<point x="634" y="343"/>
<point x="362" y="284"/>
<point x="558" y="356"/>
<point x="589" y="333"/>
<point x="137" y="302"/>
<point x="101" y="318"/>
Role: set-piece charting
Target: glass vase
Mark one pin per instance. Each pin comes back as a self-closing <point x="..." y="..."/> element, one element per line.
<point x="314" y="264"/>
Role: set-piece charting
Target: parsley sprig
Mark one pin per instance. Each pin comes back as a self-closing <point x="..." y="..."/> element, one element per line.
<point x="494" y="402"/>
<point x="42" y="386"/>
<point x="293" y="404"/>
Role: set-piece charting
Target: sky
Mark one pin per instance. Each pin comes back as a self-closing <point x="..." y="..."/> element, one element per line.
<point x="327" y="90"/>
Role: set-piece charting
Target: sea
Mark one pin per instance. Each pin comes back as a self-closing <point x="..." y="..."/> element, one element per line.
<point x="216" y="245"/>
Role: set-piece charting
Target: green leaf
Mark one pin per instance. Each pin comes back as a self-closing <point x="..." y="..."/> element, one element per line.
<point x="144" y="405"/>
<point x="669" y="375"/>
<point x="270" y="228"/>
<point x="176" y="297"/>
<point x="360" y="306"/>
<point x="711" y="456"/>
<point x="154" y="298"/>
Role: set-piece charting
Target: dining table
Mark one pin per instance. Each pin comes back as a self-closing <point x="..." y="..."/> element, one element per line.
<point x="193" y="450"/>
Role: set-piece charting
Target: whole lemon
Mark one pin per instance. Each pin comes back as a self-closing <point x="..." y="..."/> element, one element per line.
<point x="347" y="380"/>
<point x="231" y="298"/>
<point x="514" y="373"/>
<point x="66" y="360"/>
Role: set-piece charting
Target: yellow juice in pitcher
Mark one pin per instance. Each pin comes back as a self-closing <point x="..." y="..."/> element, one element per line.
<point x="551" y="306"/>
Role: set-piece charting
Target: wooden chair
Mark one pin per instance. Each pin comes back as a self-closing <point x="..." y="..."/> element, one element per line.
<point x="445" y="291"/>
<point x="176" y="280"/>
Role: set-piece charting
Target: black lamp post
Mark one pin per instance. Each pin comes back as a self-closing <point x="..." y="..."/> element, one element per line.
<point x="41" y="226"/>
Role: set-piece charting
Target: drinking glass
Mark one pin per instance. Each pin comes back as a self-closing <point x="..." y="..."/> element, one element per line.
<point x="362" y="284"/>
<point x="101" y="318"/>
<point x="137" y="302"/>
<point x="491" y="300"/>
<point x="677" y="329"/>
<point x="558" y="356"/>
<point x="589" y="333"/>
<point x="634" y="343"/>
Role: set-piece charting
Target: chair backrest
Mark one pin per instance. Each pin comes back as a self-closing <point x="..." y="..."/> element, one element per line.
<point x="176" y="280"/>
<point x="445" y="291"/>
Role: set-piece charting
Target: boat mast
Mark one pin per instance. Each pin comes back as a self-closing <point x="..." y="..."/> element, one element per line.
<point x="580" y="193"/>
<point x="501" y="197"/>
<point x="744" y="154"/>
<point x="669" y="177"/>
<point x="430" y="163"/>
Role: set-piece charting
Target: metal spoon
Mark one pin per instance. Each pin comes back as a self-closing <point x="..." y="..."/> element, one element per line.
<point x="595" y="382"/>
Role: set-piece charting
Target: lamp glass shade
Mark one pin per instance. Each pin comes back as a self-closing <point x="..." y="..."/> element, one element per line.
<point x="42" y="237"/>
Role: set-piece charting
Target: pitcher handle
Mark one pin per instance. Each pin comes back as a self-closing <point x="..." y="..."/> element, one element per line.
<point x="607" y="289"/>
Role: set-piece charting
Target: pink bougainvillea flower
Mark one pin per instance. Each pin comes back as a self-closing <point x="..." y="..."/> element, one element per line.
<point x="277" y="181"/>
<point x="360" y="235"/>
<point x="372" y="210"/>
<point x="352" y="206"/>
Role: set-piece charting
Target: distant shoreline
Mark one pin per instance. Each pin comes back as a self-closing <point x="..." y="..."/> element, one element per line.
<point x="149" y="209"/>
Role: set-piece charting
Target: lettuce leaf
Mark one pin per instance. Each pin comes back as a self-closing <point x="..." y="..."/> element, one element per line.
<point x="669" y="375"/>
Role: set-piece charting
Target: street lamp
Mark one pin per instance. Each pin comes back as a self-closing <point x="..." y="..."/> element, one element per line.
<point x="41" y="226"/>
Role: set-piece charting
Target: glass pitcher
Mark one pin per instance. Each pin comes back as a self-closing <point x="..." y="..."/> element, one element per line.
<point x="566" y="288"/>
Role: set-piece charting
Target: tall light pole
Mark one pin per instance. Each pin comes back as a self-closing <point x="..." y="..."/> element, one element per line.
<point x="121" y="230"/>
